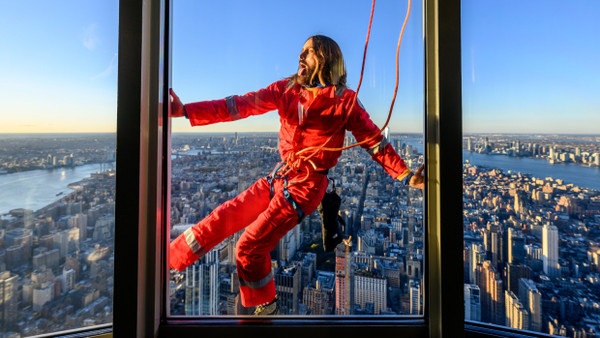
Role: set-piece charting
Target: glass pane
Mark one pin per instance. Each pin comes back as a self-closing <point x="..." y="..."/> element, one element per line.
<point x="225" y="48"/>
<point x="531" y="164"/>
<point x="58" y="92"/>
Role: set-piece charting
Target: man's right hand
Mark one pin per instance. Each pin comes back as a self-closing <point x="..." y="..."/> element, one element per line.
<point x="176" y="105"/>
<point x="418" y="179"/>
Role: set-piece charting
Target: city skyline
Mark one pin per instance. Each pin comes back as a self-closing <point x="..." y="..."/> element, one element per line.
<point x="63" y="61"/>
<point x="530" y="240"/>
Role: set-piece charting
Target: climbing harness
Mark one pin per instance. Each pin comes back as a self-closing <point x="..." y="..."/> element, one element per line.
<point x="274" y="175"/>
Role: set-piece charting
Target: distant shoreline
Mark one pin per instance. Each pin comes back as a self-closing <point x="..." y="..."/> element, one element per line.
<point x="6" y="135"/>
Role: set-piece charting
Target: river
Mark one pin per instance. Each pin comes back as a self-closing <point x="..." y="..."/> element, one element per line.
<point x="35" y="189"/>
<point x="582" y="176"/>
<point x="38" y="188"/>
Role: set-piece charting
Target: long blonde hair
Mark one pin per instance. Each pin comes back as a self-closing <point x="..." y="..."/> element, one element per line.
<point x="331" y="69"/>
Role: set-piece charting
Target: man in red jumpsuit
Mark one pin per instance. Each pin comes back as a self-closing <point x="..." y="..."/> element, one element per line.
<point x="315" y="107"/>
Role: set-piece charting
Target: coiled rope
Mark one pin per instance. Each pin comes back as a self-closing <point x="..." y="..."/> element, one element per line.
<point x="297" y="162"/>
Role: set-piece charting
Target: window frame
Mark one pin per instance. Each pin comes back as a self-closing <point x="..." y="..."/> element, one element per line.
<point x="143" y="137"/>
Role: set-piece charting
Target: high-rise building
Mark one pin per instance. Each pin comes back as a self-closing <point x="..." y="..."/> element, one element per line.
<point x="414" y="270"/>
<point x="42" y="295"/>
<point x="68" y="279"/>
<point x="343" y="281"/>
<point x="369" y="287"/>
<point x="202" y="285"/>
<point x="493" y="239"/>
<point x="513" y="273"/>
<point x="531" y="299"/>
<point x="415" y="297"/>
<point x="287" y="283"/>
<point x="472" y="296"/>
<point x="516" y="315"/>
<point x="550" y="250"/>
<point x="319" y="295"/>
<point x="288" y="244"/>
<point x="492" y="294"/>
<point x="516" y="246"/>
<point x="8" y="299"/>
<point x="79" y="221"/>
<point x="477" y="258"/>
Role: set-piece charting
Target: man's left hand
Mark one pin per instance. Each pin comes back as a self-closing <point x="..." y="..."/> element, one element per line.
<point x="418" y="179"/>
<point x="177" y="109"/>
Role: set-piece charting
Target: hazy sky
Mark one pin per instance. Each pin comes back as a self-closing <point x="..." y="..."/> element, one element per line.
<point x="58" y="66"/>
<point x="528" y="66"/>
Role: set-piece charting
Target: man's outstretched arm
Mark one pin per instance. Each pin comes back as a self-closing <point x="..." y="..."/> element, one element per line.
<point x="231" y="108"/>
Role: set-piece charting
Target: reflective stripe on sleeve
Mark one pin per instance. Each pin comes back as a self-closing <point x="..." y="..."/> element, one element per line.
<point x="259" y="283"/>
<point x="233" y="109"/>
<point x="404" y="174"/>
<point x="191" y="241"/>
<point x="378" y="147"/>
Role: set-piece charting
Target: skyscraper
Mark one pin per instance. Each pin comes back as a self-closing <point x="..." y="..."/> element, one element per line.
<point x="68" y="278"/>
<point x="531" y="299"/>
<point x="493" y="238"/>
<point x="516" y="315"/>
<point x="513" y="273"/>
<point x="472" y="296"/>
<point x="477" y="258"/>
<point x="550" y="251"/>
<point x="319" y="296"/>
<point x="8" y="299"/>
<point x="415" y="297"/>
<point x="202" y="285"/>
<point x="371" y="288"/>
<point x="492" y="294"/>
<point x="287" y="246"/>
<point x="287" y="282"/>
<point x="343" y="280"/>
<point x="516" y="246"/>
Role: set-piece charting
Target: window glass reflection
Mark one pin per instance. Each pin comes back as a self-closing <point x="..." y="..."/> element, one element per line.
<point x="57" y="165"/>
<point x="380" y="272"/>
<point x="531" y="165"/>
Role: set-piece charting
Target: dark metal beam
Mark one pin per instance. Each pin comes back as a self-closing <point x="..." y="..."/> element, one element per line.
<point x="444" y="167"/>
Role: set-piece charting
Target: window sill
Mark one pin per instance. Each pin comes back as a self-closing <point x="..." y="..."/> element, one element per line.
<point x="476" y="330"/>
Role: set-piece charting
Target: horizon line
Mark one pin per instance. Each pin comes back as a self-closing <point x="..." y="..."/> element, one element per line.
<point x="267" y="132"/>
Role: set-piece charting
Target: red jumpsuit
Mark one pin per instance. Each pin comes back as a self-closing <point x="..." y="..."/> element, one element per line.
<point x="263" y="209"/>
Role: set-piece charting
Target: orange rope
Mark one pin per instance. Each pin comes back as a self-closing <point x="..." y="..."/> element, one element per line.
<point x="295" y="161"/>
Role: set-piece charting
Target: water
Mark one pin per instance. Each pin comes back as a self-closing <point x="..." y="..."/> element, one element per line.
<point x="37" y="188"/>
<point x="582" y="176"/>
<point x="585" y="177"/>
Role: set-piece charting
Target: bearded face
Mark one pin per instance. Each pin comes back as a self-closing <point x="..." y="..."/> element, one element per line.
<point x="306" y="73"/>
<point x="307" y="65"/>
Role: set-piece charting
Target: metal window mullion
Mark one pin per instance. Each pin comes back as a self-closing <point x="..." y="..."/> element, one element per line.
<point x="443" y="132"/>
<point x="139" y="211"/>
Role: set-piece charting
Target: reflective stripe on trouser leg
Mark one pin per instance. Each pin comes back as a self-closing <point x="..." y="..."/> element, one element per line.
<point x="224" y="221"/>
<point x="252" y="253"/>
<point x="261" y="236"/>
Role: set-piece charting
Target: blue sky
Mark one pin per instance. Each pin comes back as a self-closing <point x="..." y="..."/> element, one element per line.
<point x="251" y="47"/>
<point x="528" y="66"/>
<point x="531" y="66"/>
<point x="58" y="66"/>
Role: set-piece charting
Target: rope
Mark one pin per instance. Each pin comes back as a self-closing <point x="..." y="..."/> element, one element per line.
<point x="297" y="162"/>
